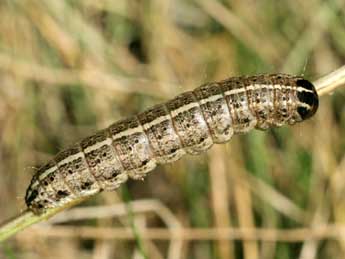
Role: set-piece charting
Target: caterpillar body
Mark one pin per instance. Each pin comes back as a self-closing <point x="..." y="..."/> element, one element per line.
<point x="189" y="123"/>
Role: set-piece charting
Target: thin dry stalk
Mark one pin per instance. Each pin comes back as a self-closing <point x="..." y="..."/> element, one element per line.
<point x="312" y="35"/>
<point x="92" y="78"/>
<point x="240" y="29"/>
<point x="27" y="218"/>
<point x="327" y="84"/>
<point x="220" y="197"/>
<point x="244" y="208"/>
<point x="195" y="234"/>
<point x="118" y="210"/>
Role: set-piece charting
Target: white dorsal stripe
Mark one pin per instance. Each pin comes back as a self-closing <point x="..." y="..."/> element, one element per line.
<point x="255" y="87"/>
<point x="47" y="172"/>
<point x="156" y="121"/>
<point x="211" y="98"/>
<point x="70" y="158"/>
<point x="98" y="145"/>
<point x="127" y="132"/>
<point x="184" y="108"/>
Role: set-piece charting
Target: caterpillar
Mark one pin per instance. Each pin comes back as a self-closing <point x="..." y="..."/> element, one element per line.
<point x="190" y="123"/>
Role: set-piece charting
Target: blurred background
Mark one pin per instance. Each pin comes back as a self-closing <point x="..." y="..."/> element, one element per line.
<point x="69" y="68"/>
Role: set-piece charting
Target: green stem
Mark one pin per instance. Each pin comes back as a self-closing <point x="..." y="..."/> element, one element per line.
<point x="28" y="218"/>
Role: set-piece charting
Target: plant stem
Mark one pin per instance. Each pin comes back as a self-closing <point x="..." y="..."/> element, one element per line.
<point x="28" y="218"/>
<point x="327" y="84"/>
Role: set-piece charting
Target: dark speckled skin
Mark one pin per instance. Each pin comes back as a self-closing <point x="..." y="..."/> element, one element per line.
<point x="189" y="123"/>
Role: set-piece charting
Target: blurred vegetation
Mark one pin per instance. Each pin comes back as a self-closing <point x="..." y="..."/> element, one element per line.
<point x="69" y="67"/>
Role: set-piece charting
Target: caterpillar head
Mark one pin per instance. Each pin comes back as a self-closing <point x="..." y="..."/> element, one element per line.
<point x="308" y="100"/>
<point x="32" y="197"/>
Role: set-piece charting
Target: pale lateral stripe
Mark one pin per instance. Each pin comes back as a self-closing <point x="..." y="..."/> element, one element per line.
<point x="211" y="98"/>
<point x="253" y="87"/>
<point x="184" y="108"/>
<point x="258" y="86"/>
<point x="127" y="132"/>
<point x="71" y="158"/>
<point x="234" y="91"/>
<point x="47" y="172"/>
<point x="158" y="120"/>
<point x="96" y="146"/>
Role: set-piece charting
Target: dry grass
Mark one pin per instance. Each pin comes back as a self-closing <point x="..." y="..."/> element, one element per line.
<point x="68" y="68"/>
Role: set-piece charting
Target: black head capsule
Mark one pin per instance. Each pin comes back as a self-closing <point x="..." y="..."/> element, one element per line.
<point x="30" y="196"/>
<point x="308" y="99"/>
